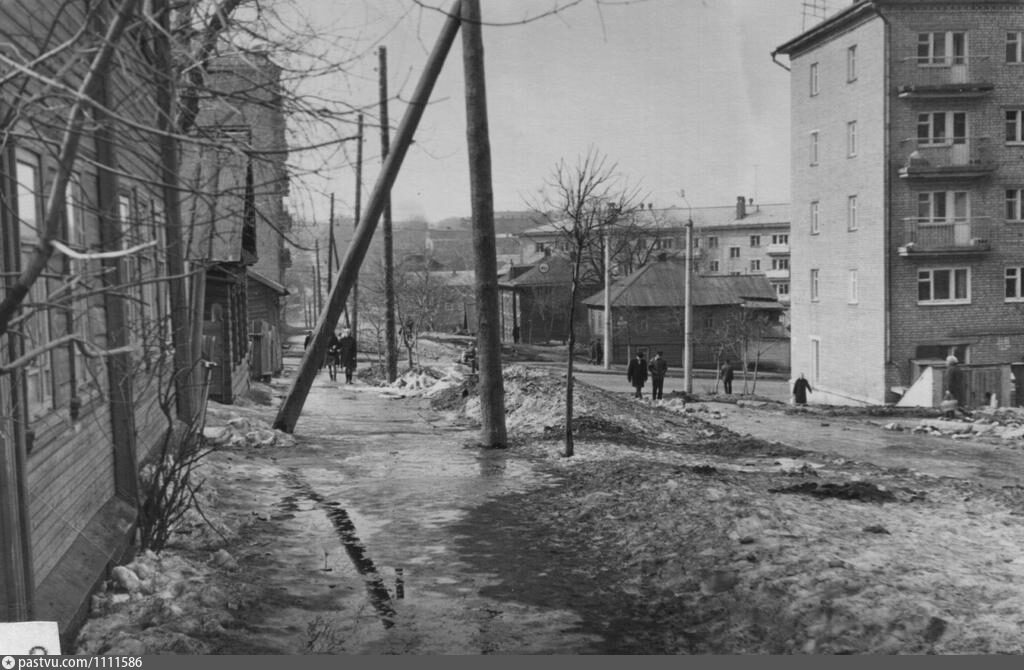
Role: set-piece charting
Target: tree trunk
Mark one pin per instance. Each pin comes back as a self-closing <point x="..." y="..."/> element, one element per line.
<point x="491" y="386"/>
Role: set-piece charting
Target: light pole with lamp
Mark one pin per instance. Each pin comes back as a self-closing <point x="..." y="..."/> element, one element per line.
<point x="688" y="303"/>
<point x="612" y="215"/>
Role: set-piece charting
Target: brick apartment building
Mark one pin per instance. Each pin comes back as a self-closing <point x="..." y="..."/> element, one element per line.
<point x="908" y="194"/>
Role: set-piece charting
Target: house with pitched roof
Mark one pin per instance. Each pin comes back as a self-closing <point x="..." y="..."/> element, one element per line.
<point x="734" y="316"/>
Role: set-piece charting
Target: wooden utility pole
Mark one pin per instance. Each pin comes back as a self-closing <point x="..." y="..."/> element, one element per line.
<point x="331" y="251"/>
<point x="391" y="346"/>
<point x="358" y="213"/>
<point x="291" y="408"/>
<point x="318" y="303"/>
<point x="488" y="332"/>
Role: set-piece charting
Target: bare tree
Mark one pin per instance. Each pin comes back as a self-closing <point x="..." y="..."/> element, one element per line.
<point x="583" y="200"/>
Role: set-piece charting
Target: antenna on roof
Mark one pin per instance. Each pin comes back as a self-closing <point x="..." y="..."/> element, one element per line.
<point x="816" y="10"/>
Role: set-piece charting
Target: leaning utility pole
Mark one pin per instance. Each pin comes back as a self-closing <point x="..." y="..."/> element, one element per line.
<point x="358" y="212"/>
<point x="488" y="333"/>
<point x="291" y="408"/>
<point x="391" y="347"/>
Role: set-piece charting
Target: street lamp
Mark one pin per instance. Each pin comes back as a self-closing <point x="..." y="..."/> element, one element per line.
<point x="688" y="303"/>
<point x="612" y="214"/>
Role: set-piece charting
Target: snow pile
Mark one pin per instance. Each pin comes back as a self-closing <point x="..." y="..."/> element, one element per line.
<point x="1004" y="423"/>
<point x="424" y="382"/>
<point x="241" y="433"/>
<point x="160" y="603"/>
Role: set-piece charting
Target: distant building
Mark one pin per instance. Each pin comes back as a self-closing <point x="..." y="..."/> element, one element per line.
<point x="734" y="316"/>
<point x="908" y="195"/>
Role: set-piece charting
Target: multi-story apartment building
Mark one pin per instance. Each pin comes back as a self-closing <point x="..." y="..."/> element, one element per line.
<point x="746" y="239"/>
<point x="752" y="239"/>
<point x="907" y="139"/>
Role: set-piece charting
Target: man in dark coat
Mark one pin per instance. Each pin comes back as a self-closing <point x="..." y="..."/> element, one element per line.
<point x="658" y="369"/>
<point x="333" y="356"/>
<point x="347" y="354"/>
<point x="800" y="390"/>
<point x="726" y="374"/>
<point x="636" y="373"/>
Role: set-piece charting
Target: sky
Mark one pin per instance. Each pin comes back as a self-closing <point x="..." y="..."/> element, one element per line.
<point x="682" y="95"/>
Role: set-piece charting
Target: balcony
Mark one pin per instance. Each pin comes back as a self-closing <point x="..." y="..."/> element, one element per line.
<point x="955" y="77"/>
<point x="944" y="237"/>
<point x="775" y="249"/>
<point x="955" y="158"/>
<point x="777" y="275"/>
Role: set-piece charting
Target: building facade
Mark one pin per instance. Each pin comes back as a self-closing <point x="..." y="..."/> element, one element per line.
<point x="907" y="122"/>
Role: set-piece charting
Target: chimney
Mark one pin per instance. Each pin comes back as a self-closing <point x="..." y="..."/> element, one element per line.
<point x="741" y="207"/>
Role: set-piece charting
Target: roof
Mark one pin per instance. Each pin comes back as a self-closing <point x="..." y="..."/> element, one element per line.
<point x="669" y="218"/>
<point x="663" y="284"/>
<point x="270" y="283"/>
<point x="552" y="270"/>
<point x="830" y="27"/>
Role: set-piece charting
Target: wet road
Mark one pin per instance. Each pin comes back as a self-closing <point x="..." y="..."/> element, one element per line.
<point x="358" y="534"/>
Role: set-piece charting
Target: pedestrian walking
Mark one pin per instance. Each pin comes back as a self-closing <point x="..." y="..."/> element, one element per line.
<point x="800" y="390"/>
<point x="309" y="338"/>
<point x="636" y="373"/>
<point x="333" y="356"/>
<point x="726" y="374"/>
<point x="658" y="369"/>
<point x="347" y="354"/>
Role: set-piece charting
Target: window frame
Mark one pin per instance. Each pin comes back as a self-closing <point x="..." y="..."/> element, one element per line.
<point x="813" y="82"/>
<point x="814" y="148"/>
<point x="755" y="241"/>
<point x="1013" y="274"/>
<point x="1017" y="125"/>
<point x="853" y="294"/>
<point x="949" y="44"/>
<point x="852" y="221"/>
<point x="851" y="139"/>
<point x="734" y="252"/>
<point x="815" y="284"/>
<point x="851" y="63"/>
<point x="40" y="384"/>
<point x="780" y="238"/>
<point x="714" y="266"/>
<point x="1014" y="209"/>
<point x="782" y="289"/>
<point x="815" y="215"/>
<point x="755" y="264"/>
<point x="1014" y="41"/>
<point x="953" y="274"/>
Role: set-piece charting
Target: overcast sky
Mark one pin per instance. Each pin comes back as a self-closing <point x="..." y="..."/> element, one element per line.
<point x="681" y="94"/>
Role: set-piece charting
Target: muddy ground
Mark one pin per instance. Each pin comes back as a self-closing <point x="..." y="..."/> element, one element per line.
<point x="663" y="534"/>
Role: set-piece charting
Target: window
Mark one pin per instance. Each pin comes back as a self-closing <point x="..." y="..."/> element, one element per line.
<point x="851" y="212"/>
<point x="780" y="264"/>
<point x="664" y="243"/>
<point x="1014" y="121"/>
<point x="734" y="252"/>
<point x="714" y="266"/>
<point x="712" y="242"/>
<point x="780" y="238"/>
<point x="851" y="63"/>
<point x="1014" y="287"/>
<point x="815" y="284"/>
<point x="755" y="265"/>
<point x="1014" y="52"/>
<point x="782" y="290"/>
<point x="941" y="128"/>
<point x="814" y="147"/>
<point x="854" y="293"/>
<point x="851" y="138"/>
<point x="944" y="285"/>
<point x="755" y="240"/>
<point x="36" y="326"/>
<point x="942" y="48"/>
<point x="1014" y="203"/>
<point x="943" y="206"/>
<point x="815" y="223"/>
<point x="814" y="79"/>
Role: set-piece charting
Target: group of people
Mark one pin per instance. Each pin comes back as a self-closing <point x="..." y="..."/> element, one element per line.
<point x="341" y="353"/>
<point x="639" y="369"/>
